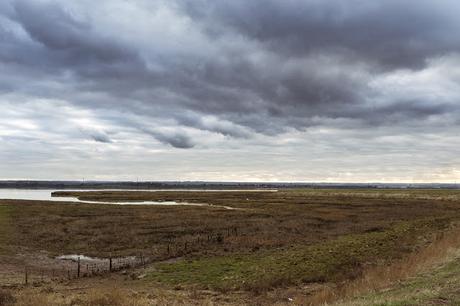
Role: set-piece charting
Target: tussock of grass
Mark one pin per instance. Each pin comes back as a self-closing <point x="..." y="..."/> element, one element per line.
<point x="6" y="298"/>
<point x="436" y="286"/>
<point x="330" y="261"/>
<point x="114" y="295"/>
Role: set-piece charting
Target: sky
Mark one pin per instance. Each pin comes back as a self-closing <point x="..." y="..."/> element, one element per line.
<point x="262" y="90"/>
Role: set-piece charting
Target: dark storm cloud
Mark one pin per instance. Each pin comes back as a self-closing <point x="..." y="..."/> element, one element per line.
<point x="237" y="67"/>
<point x="389" y="33"/>
<point x="101" y="138"/>
<point x="67" y="37"/>
<point x="173" y="138"/>
<point x="98" y="136"/>
<point x="214" y="125"/>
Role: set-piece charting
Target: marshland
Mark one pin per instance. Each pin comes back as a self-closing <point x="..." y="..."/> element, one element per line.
<point x="286" y="246"/>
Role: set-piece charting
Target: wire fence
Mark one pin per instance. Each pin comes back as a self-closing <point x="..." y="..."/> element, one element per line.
<point x="76" y="266"/>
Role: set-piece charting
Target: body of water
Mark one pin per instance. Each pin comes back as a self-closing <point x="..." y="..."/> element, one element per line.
<point x="45" y="195"/>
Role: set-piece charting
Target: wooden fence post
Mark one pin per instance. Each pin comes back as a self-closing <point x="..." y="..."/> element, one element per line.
<point x="26" y="278"/>
<point x="78" y="267"/>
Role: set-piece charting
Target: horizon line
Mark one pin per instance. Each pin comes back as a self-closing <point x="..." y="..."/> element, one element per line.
<point x="225" y="181"/>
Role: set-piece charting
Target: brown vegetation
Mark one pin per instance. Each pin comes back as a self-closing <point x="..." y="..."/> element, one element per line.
<point x="379" y="277"/>
<point x="6" y="298"/>
<point x="269" y="220"/>
<point x="343" y="240"/>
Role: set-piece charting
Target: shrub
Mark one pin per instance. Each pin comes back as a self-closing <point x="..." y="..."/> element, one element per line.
<point x="6" y="298"/>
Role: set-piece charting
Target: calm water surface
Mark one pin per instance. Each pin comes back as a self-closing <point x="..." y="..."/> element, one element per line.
<point x="45" y="195"/>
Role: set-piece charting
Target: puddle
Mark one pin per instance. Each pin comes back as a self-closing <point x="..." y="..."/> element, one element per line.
<point x="76" y="257"/>
<point x="84" y="258"/>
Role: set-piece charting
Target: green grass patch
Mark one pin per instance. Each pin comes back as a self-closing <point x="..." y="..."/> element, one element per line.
<point x="329" y="261"/>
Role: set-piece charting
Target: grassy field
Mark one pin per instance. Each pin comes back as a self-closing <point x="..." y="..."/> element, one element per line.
<point x="264" y="220"/>
<point x="330" y="261"/>
<point x="438" y="286"/>
<point x="270" y="241"/>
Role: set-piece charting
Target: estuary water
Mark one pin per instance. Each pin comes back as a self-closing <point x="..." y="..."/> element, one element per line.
<point x="45" y="195"/>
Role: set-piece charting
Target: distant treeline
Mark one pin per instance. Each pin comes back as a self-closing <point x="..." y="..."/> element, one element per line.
<point x="23" y="184"/>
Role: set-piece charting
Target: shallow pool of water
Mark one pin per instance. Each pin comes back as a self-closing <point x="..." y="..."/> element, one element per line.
<point x="45" y="195"/>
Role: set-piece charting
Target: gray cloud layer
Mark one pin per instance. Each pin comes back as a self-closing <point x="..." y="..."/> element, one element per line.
<point x="236" y="75"/>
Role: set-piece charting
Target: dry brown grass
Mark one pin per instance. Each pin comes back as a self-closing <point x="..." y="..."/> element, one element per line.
<point x="114" y="295"/>
<point x="6" y="298"/>
<point x="379" y="277"/>
<point x="93" y="297"/>
<point x="26" y="299"/>
<point x="270" y="220"/>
